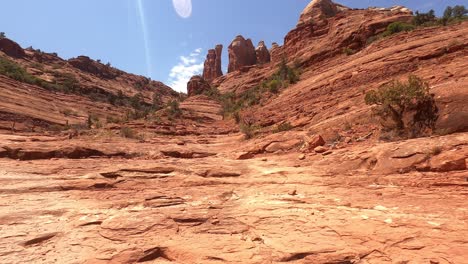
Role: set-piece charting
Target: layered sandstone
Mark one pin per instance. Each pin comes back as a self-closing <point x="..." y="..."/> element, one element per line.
<point x="241" y="53"/>
<point x="212" y="65"/>
<point x="262" y="52"/>
<point x="197" y="85"/>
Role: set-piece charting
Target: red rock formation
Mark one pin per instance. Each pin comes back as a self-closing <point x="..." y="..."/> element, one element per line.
<point x="212" y="67"/>
<point x="263" y="55"/>
<point x="11" y="48"/>
<point x="325" y="28"/>
<point x="86" y="64"/>
<point x="197" y="85"/>
<point x="241" y="53"/>
<point x="275" y="52"/>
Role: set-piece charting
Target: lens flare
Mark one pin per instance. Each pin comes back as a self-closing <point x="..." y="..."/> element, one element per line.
<point x="142" y="18"/>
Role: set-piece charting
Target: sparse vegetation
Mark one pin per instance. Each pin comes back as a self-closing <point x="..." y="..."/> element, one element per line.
<point x="127" y="132"/>
<point x="173" y="109"/>
<point x="249" y="130"/>
<point x="233" y="103"/>
<point x="451" y="15"/>
<point x="436" y="150"/>
<point x="286" y="126"/>
<point x="406" y="109"/>
<point x="348" y="51"/>
<point x="421" y="19"/>
<point x="397" y="27"/>
<point x="2" y="35"/>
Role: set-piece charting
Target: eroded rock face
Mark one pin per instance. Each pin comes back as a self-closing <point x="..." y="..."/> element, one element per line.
<point x="11" y="48"/>
<point x="318" y="10"/>
<point x="212" y="67"/>
<point x="86" y="64"/>
<point x="263" y="55"/>
<point x="197" y="85"/>
<point x="241" y="53"/>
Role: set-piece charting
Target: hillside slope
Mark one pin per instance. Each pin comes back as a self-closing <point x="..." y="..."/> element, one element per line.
<point x="58" y="92"/>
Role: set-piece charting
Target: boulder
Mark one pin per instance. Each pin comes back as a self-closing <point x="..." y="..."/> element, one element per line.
<point x="310" y="143"/>
<point x="318" y="10"/>
<point x="320" y="149"/>
<point x="212" y="66"/>
<point x="263" y="55"/>
<point x="449" y="161"/>
<point x="197" y="85"/>
<point x="11" y="48"/>
<point x="241" y="53"/>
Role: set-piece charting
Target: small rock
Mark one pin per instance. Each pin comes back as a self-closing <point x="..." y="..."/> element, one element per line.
<point x="328" y="152"/>
<point x="347" y="140"/>
<point x="264" y="159"/>
<point x="302" y="157"/>
<point x="320" y="149"/>
<point x="245" y="156"/>
<point x="293" y="192"/>
<point x="314" y="142"/>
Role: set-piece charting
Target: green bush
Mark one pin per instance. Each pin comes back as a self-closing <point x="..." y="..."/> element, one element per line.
<point x="273" y="86"/>
<point x="397" y="27"/>
<point x="459" y="11"/>
<point x="405" y="108"/>
<point x="15" y="71"/>
<point x="421" y="19"/>
<point x="348" y="51"/>
<point x="248" y="130"/>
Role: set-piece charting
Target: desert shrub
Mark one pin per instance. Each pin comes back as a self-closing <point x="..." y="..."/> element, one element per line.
<point x="173" y="109"/>
<point x="405" y="108"/>
<point x="436" y="150"/>
<point x="157" y="102"/>
<point x="127" y="132"/>
<point x="420" y="19"/>
<point x="459" y="11"/>
<point x="397" y="27"/>
<point x="348" y="51"/>
<point x="15" y="71"/>
<point x="273" y="86"/>
<point x="249" y="130"/>
<point x="283" y="127"/>
<point x="113" y="119"/>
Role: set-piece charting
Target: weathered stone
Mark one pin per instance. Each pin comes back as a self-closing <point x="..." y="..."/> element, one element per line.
<point x="11" y="48"/>
<point x="197" y="85"/>
<point x="320" y="149"/>
<point x="263" y="55"/>
<point x="241" y="53"/>
<point x="212" y="66"/>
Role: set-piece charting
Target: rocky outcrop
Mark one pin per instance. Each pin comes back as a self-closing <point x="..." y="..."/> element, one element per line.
<point x="11" y="48"/>
<point x="275" y="52"/>
<point x="241" y="53"/>
<point x="325" y="29"/>
<point x="197" y="85"/>
<point x="319" y="10"/>
<point x="86" y="64"/>
<point x="212" y="67"/>
<point x="263" y="55"/>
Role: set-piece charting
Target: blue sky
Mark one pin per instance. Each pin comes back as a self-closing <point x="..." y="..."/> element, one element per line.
<point x="148" y="37"/>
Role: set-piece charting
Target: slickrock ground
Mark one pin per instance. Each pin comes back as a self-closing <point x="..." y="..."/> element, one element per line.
<point x="144" y="202"/>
